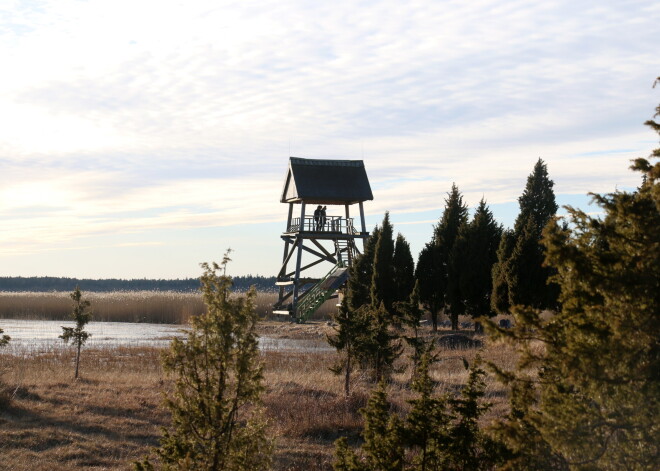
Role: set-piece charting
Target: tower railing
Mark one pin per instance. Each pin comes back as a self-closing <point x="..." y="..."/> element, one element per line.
<point x="332" y="225"/>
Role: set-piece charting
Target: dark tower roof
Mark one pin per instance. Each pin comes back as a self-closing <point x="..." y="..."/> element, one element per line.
<point x="326" y="182"/>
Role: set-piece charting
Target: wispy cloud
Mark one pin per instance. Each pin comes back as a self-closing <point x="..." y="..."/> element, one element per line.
<point x="124" y="116"/>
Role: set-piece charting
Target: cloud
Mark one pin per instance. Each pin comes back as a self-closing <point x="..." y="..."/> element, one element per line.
<point x="122" y="116"/>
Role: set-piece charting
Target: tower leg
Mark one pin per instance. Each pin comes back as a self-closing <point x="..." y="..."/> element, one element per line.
<point x="299" y="241"/>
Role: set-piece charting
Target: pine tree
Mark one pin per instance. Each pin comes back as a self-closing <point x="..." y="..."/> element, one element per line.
<point x="81" y="315"/>
<point x="474" y="256"/>
<point x="404" y="269"/>
<point x="382" y="276"/>
<point x="444" y="237"/>
<point x="218" y="382"/>
<point x="428" y="275"/>
<point x="598" y="373"/>
<point x="4" y="339"/>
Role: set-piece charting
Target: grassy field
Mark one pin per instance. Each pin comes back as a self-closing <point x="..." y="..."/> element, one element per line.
<point x="160" y="307"/>
<point x="113" y="415"/>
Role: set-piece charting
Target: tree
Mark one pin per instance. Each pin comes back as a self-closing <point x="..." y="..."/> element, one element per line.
<point x="428" y="274"/>
<point x="358" y="289"/>
<point x="350" y="330"/>
<point x="382" y="276"/>
<point x="382" y="449"/>
<point x="444" y="237"/>
<point x="404" y="269"/>
<point x="593" y="399"/>
<point x="437" y="434"/>
<point x="379" y="346"/>
<point x="4" y="339"/>
<point x="426" y="427"/>
<point x="469" y="447"/>
<point x="523" y="271"/>
<point x="218" y="382"/>
<point x="81" y="315"/>
<point x="410" y="315"/>
<point x="499" y="298"/>
<point x="475" y="253"/>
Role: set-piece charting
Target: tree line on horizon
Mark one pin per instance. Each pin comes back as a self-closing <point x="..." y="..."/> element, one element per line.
<point x="50" y="283"/>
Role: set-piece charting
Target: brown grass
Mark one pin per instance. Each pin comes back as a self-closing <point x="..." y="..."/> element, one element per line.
<point x="113" y="415"/>
<point x="159" y="307"/>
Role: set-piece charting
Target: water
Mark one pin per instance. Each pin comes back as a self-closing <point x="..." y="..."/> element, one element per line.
<point x="42" y="336"/>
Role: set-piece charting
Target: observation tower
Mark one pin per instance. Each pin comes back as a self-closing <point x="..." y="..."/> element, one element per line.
<point x="323" y="235"/>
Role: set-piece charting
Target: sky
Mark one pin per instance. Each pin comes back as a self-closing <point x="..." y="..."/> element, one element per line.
<point x="139" y="138"/>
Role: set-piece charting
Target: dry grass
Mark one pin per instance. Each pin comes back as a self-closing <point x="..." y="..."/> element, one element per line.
<point x="113" y="415"/>
<point x="158" y="307"/>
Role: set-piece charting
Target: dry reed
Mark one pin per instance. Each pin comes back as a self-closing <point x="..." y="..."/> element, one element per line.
<point x="158" y="307"/>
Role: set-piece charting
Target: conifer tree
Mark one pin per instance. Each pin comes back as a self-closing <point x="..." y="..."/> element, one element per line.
<point x="410" y="315"/>
<point x="499" y="298"/>
<point x="428" y="275"/>
<point x="426" y="427"/>
<point x="404" y="269"/>
<point x="358" y="290"/>
<point x="382" y="277"/>
<point x="527" y="275"/>
<point x="81" y="315"/>
<point x="380" y="346"/>
<point x="4" y="339"/>
<point x="382" y="449"/>
<point x="522" y="270"/>
<point x="218" y="382"/>
<point x="350" y="329"/>
<point x="444" y="237"/>
<point x="598" y="373"/>
<point x="469" y="447"/>
<point x="474" y="256"/>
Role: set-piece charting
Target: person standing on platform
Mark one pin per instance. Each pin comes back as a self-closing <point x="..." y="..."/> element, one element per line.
<point x="323" y="217"/>
<point x="317" y="218"/>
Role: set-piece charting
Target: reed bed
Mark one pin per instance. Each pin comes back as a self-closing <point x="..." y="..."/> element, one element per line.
<point x="156" y="307"/>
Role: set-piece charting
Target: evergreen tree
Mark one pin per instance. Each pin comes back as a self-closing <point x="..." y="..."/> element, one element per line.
<point x="474" y="257"/>
<point x="404" y="270"/>
<point x="350" y="328"/>
<point x="382" y="276"/>
<point x="410" y="315"/>
<point x="527" y="275"/>
<point x="426" y="427"/>
<point x="469" y="447"/>
<point x="380" y="346"/>
<point x="358" y="289"/>
<point x="520" y="271"/>
<point x="499" y="298"/>
<point x="382" y="449"/>
<point x="444" y="237"/>
<point x="599" y="368"/>
<point x="429" y="276"/>
<point x="81" y="315"/>
<point x="218" y="382"/>
<point x="4" y="339"/>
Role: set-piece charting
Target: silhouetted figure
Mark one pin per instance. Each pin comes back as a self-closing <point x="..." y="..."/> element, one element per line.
<point x="323" y="217"/>
<point x="317" y="218"/>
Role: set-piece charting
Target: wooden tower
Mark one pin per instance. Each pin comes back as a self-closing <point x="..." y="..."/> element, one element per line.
<point x="337" y="185"/>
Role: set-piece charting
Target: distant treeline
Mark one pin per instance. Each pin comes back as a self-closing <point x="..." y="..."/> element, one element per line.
<point x="50" y="283"/>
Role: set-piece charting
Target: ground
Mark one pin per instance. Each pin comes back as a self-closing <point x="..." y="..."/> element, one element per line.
<point x="112" y="416"/>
